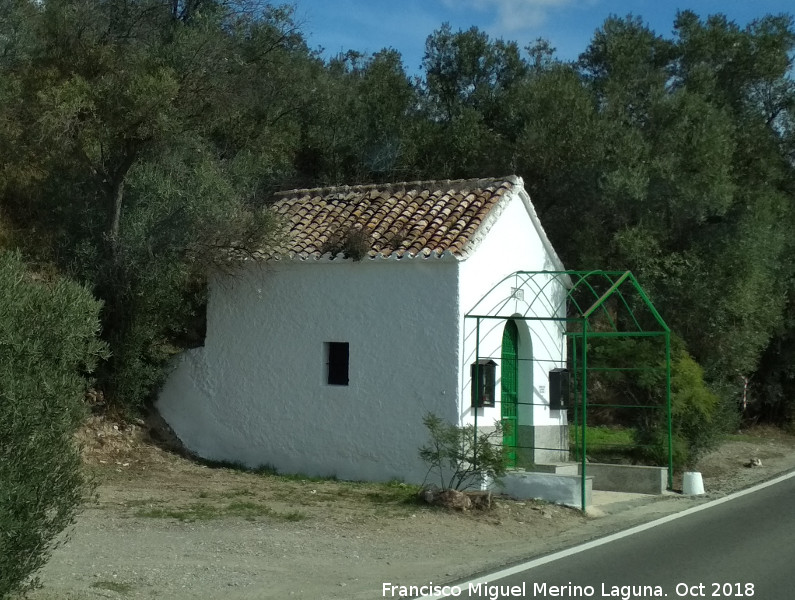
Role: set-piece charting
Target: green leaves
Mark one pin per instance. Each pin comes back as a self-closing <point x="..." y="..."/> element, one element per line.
<point x="144" y="132"/>
<point x="467" y="69"/>
<point x="460" y="456"/>
<point x="48" y="344"/>
<point x="356" y="119"/>
<point x="153" y="137"/>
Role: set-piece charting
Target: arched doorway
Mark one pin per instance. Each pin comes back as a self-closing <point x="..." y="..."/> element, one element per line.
<point x="509" y="398"/>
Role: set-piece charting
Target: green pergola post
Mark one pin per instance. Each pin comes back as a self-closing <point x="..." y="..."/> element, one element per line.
<point x="477" y="393"/>
<point x="668" y="402"/>
<point x="576" y="405"/>
<point x="584" y="408"/>
<point x="667" y="332"/>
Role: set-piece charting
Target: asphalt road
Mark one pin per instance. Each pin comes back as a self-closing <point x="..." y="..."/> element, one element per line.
<point x="742" y="548"/>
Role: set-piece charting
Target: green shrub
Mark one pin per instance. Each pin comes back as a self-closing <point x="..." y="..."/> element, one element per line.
<point x="460" y="458"/>
<point x="696" y="415"/>
<point x="48" y="344"/>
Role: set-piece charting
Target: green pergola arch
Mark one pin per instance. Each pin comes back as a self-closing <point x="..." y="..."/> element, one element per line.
<point x="588" y="305"/>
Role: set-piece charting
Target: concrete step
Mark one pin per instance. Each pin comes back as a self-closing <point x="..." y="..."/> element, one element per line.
<point x="558" y="468"/>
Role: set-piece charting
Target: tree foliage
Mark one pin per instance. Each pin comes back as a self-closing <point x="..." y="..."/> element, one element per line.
<point x="670" y="156"/>
<point x="48" y="344"/>
<point x="142" y="138"/>
<point x="146" y="156"/>
<point x="629" y="378"/>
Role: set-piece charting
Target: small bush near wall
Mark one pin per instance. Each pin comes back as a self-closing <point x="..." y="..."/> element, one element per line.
<point x="48" y="343"/>
<point x="459" y="458"/>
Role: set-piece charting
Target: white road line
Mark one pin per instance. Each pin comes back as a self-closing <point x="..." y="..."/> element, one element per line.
<point x="537" y="562"/>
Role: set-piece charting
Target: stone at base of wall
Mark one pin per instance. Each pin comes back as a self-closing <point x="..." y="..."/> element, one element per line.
<point x="547" y="440"/>
<point x="539" y="444"/>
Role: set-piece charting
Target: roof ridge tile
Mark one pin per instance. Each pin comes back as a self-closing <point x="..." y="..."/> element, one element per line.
<point x="478" y="182"/>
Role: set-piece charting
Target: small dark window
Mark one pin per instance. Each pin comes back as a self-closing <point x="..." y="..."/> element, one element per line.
<point x="337" y="355"/>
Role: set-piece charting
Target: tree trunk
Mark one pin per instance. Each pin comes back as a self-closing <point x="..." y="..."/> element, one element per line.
<point x="116" y="192"/>
<point x="115" y="216"/>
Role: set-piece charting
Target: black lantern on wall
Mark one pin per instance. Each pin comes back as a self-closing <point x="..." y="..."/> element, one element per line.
<point x="484" y="382"/>
<point x="558" y="389"/>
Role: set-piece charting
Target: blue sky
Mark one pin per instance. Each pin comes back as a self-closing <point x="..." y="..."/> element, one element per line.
<point x="369" y="25"/>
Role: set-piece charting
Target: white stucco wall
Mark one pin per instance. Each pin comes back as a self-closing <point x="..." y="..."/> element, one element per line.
<point x="513" y="243"/>
<point x="256" y="393"/>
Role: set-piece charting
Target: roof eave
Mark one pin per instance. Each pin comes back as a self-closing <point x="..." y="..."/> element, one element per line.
<point x="445" y="256"/>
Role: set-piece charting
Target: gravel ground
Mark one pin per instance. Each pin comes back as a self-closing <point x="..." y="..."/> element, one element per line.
<point x="166" y="527"/>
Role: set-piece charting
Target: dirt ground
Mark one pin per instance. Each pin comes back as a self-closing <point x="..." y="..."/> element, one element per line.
<point x="163" y="526"/>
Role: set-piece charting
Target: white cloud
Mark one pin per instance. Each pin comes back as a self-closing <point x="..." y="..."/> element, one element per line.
<point x="514" y="15"/>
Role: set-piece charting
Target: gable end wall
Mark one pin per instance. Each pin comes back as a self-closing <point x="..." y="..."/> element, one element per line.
<point x="514" y="242"/>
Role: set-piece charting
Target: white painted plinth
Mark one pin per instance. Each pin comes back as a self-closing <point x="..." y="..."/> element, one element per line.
<point x="561" y="489"/>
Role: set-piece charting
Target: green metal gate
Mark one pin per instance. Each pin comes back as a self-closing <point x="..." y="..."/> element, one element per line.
<point x="509" y="400"/>
<point x="587" y="306"/>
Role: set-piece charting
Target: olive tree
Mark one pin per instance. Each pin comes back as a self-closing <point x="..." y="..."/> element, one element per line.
<point x="48" y="346"/>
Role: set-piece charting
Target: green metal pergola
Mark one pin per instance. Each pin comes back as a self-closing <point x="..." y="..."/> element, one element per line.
<point x="589" y="305"/>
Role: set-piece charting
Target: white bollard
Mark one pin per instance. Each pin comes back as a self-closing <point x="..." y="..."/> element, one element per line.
<point x="692" y="484"/>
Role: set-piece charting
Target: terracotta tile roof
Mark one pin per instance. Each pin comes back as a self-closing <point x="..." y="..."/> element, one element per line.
<point x="424" y="218"/>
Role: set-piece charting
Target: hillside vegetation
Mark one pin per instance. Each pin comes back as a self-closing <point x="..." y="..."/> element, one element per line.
<point x="142" y="139"/>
